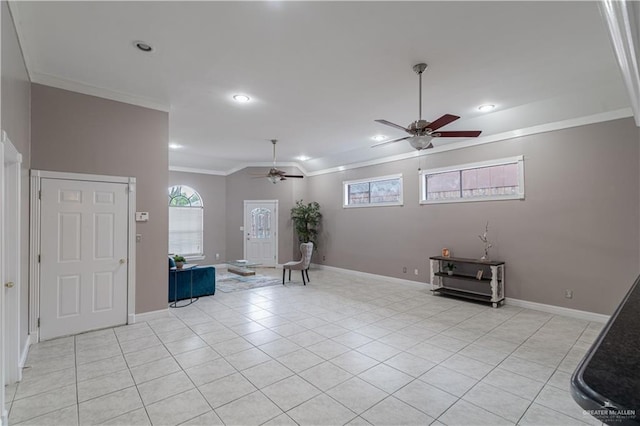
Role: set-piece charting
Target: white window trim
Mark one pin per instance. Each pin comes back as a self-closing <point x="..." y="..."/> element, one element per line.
<point x="509" y="160"/>
<point x="193" y="256"/>
<point x="345" y="192"/>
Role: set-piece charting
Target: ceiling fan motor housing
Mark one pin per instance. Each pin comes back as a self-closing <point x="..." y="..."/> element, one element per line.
<point x="419" y="126"/>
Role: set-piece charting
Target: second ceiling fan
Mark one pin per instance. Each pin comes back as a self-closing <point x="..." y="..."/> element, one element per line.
<point x="274" y="175"/>
<point x="421" y="131"/>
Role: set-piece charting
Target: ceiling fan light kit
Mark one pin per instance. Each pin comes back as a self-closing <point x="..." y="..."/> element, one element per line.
<point x="422" y="132"/>
<point x="420" y="142"/>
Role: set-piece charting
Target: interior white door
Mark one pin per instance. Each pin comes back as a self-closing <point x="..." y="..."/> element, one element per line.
<point x="12" y="261"/>
<point x="3" y="415"/>
<point x="261" y="231"/>
<point x="83" y="264"/>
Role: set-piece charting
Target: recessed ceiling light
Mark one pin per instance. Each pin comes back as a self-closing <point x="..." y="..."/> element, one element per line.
<point x="143" y="46"/>
<point x="378" y="138"/>
<point x="241" y="98"/>
<point x="303" y="158"/>
<point x="175" y="146"/>
<point x="486" y="107"/>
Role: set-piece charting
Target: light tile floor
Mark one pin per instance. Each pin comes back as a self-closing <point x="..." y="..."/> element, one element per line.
<point x="341" y="350"/>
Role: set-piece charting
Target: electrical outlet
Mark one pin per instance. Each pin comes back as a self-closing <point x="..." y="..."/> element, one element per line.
<point x="568" y="294"/>
<point x="404" y="269"/>
<point x="415" y="271"/>
<point x="324" y="258"/>
<point x="217" y="256"/>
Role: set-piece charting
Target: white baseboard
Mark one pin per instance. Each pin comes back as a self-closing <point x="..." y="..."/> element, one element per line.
<point x="23" y="356"/>
<point x="148" y="316"/>
<point x="372" y="276"/>
<point x="25" y="351"/>
<point x="558" y="310"/>
<point x="552" y="309"/>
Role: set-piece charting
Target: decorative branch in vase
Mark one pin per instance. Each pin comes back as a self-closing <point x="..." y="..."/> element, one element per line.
<point x="487" y="244"/>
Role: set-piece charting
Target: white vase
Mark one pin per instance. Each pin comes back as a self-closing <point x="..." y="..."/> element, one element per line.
<point x="179" y="265"/>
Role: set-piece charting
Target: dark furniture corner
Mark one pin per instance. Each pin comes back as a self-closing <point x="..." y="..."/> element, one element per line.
<point x="606" y="383"/>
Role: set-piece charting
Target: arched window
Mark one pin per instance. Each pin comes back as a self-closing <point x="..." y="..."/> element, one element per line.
<point x="186" y="221"/>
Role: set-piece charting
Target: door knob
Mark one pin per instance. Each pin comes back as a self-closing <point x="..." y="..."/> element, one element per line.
<point x="123" y="261"/>
<point x="9" y="284"/>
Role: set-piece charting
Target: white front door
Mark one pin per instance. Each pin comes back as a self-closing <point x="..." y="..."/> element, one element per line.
<point x="83" y="265"/>
<point x="261" y="231"/>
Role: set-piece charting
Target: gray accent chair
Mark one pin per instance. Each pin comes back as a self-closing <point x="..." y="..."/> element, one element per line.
<point x="301" y="265"/>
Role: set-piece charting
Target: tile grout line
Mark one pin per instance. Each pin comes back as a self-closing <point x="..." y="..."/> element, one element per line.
<point x="381" y="313"/>
<point x="549" y="379"/>
<point x="134" y="382"/>
<point x="480" y="380"/>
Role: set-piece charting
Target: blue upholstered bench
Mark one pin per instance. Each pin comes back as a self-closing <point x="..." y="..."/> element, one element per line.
<point x="204" y="282"/>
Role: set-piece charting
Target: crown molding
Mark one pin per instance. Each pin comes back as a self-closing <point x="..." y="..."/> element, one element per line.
<point x="623" y="23"/>
<point x="87" y="89"/>
<point x="234" y="169"/>
<point x="528" y="131"/>
<point x="498" y="137"/>
<point x="14" y="11"/>
<point x="196" y="170"/>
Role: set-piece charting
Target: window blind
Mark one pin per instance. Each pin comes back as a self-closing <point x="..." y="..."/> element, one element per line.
<point x="186" y="230"/>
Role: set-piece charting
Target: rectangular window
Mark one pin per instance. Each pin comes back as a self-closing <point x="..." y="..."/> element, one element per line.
<point x="501" y="179"/>
<point x="186" y="231"/>
<point x="379" y="191"/>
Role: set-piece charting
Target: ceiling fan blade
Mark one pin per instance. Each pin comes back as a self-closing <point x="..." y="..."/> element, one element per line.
<point x="388" y="123"/>
<point x="442" y="121"/>
<point x="293" y="176"/>
<point x="387" y="142"/>
<point x="459" y="134"/>
<point x="259" y="177"/>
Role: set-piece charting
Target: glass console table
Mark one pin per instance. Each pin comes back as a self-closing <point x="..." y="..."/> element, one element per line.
<point x="184" y="269"/>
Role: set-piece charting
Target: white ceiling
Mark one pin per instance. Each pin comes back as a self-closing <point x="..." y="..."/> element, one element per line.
<point x="319" y="73"/>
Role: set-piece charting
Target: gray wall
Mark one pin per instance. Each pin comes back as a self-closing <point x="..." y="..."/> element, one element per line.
<point x="15" y="108"/>
<point x="212" y="189"/>
<point x="577" y="228"/>
<point x="78" y="133"/>
<point x="243" y="186"/>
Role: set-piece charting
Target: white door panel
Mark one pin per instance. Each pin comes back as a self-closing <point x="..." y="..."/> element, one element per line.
<point x="10" y="268"/>
<point x="261" y="232"/>
<point x="83" y="256"/>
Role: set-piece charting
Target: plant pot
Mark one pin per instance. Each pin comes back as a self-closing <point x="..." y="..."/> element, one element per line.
<point x="449" y="272"/>
<point x="179" y="265"/>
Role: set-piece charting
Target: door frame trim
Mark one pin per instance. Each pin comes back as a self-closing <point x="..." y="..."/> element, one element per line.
<point x="277" y="219"/>
<point x="34" y="228"/>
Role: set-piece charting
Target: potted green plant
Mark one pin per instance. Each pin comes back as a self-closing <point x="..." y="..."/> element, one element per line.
<point x="180" y="260"/>
<point x="306" y="220"/>
<point x="450" y="267"/>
